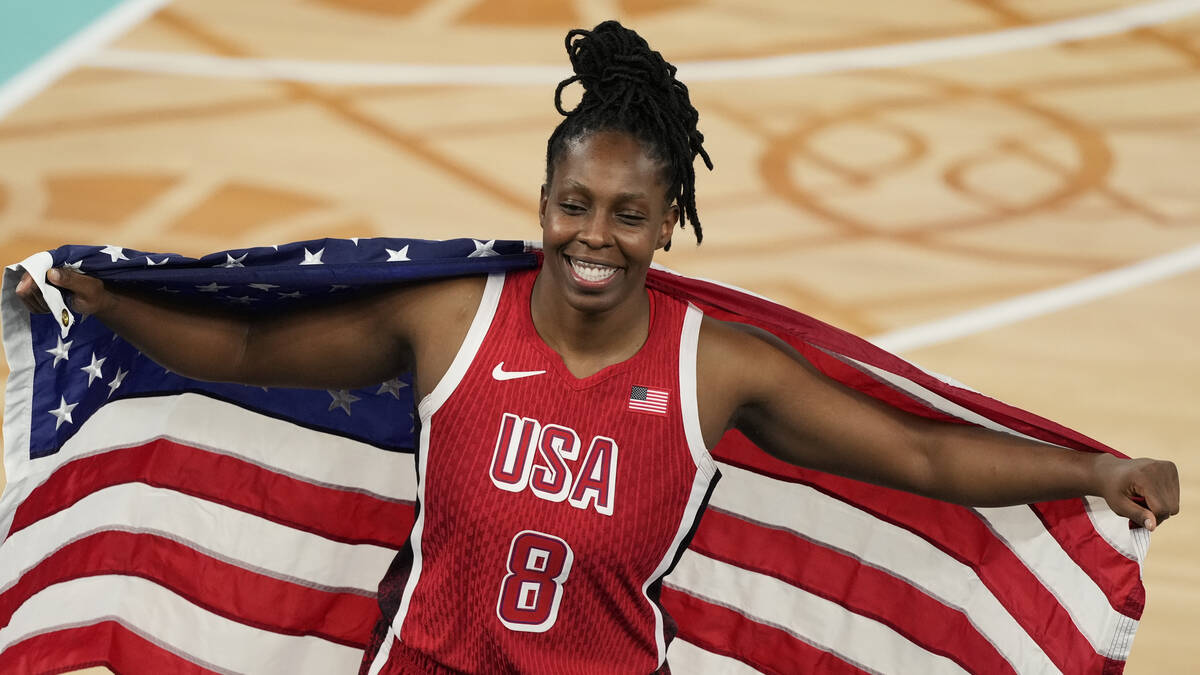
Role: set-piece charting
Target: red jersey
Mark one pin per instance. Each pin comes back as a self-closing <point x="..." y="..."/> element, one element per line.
<point x="550" y="507"/>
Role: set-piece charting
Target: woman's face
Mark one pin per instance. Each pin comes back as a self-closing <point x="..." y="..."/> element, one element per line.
<point x="603" y="215"/>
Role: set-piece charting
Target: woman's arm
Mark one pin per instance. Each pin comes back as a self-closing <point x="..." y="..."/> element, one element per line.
<point x="357" y="342"/>
<point x="788" y="408"/>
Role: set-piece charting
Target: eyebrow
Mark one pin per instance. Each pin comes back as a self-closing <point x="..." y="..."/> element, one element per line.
<point x="624" y="196"/>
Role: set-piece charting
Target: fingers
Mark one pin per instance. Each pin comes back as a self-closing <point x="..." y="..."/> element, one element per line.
<point x="1135" y="512"/>
<point x="1159" y="486"/>
<point x="31" y="295"/>
<point x="64" y="277"/>
<point x="1151" y="492"/>
<point x="87" y="294"/>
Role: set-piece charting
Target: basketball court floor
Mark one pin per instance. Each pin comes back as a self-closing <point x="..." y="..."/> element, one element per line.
<point x="1005" y="191"/>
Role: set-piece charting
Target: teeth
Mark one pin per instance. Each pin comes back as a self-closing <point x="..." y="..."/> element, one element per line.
<point x="591" y="272"/>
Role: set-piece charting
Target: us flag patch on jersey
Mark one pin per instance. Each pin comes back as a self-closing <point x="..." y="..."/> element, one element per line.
<point x="648" y="400"/>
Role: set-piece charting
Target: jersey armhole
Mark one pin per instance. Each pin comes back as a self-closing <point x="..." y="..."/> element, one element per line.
<point x="688" y="341"/>
<point x="470" y="346"/>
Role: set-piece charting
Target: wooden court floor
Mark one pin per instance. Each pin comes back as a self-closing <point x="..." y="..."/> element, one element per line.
<point x="875" y="199"/>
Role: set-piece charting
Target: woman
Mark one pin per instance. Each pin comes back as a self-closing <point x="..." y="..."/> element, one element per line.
<point x="563" y="455"/>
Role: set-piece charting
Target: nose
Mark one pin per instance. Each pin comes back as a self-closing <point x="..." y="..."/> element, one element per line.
<point x="596" y="231"/>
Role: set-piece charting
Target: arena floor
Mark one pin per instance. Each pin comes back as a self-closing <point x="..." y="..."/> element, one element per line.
<point x="869" y="171"/>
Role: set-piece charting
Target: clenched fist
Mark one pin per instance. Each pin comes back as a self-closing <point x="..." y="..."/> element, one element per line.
<point x="88" y="295"/>
<point x="1145" y="491"/>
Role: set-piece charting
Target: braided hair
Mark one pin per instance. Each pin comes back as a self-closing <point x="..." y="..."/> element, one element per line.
<point x="630" y="88"/>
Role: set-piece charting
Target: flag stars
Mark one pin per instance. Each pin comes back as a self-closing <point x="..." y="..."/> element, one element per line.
<point x="231" y="261"/>
<point x="392" y="386"/>
<point x="93" y="369"/>
<point x="483" y="249"/>
<point x="116" y="381"/>
<point x="341" y="399"/>
<point x="242" y="300"/>
<point x="398" y="256"/>
<point x="293" y="295"/>
<point x="114" y="252"/>
<point x="63" y="412"/>
<point x="150" y="261"/>
<point x="311" y="258"/>
<point x="62" y="351"/>
<point x="211" y="287"/>
<point x="264" y="287"/>
<point x="77" y="266"/>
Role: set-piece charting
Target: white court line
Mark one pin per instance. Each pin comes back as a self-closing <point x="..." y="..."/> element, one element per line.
<point x="887" y="56"/>
<point x="63" y="58"/>
<point x="1041" y="302"/>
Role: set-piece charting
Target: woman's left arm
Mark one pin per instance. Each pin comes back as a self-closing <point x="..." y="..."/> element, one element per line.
<point x="791" y="410"/>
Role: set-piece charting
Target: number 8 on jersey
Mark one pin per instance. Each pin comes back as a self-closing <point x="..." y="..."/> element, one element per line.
<point x="538" y="564"/>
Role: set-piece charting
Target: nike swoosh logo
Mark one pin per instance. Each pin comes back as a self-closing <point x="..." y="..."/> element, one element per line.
<point x="501" y="374"/>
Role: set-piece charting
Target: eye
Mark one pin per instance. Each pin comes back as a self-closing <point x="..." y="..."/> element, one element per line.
<point x="570" y="208"/>
<point x="632" y="218"/>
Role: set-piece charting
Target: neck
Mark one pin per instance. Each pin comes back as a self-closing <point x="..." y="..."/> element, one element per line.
<point x="589" y="341"/>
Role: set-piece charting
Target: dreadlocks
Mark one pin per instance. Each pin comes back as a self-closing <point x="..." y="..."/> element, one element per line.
<point x="630" y="88"/>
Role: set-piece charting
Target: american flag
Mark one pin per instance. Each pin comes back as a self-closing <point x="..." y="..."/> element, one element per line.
<point x="159" y="524"/>
<point x="649" y="399"/>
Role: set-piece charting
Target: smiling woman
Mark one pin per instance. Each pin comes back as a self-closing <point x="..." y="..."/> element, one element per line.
<point x="566" y="413"/>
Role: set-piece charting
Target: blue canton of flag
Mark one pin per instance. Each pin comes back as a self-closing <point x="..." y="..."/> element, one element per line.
<point x="77" y="373"/>
<point x="648" y="400"/>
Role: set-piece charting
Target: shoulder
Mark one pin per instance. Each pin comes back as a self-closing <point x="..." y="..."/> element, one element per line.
<point x="748" y="362"/>
<point x="737" y="365"/>
<point x="431" y="308"/>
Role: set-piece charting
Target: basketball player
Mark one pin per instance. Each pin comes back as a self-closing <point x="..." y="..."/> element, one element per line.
<point x="551" y="499"/>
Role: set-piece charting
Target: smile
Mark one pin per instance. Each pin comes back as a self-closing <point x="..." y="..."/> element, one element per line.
<point x="592" y="273"/>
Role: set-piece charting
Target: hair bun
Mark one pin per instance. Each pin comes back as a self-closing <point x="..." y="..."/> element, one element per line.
<point x="615" y="65"/>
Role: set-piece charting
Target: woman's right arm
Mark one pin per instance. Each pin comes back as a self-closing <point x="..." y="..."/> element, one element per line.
<point x="358" y="342"/>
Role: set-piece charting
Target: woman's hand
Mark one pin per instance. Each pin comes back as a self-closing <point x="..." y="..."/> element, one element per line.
<point x="88" y="294"/>
<point x="1145" y="491"/>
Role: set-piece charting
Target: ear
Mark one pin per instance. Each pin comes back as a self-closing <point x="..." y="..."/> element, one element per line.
<point x="542" y="205"/>
<point x="667" y="229"/>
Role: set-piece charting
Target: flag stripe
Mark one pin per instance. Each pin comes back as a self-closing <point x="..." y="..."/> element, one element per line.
<point x="851" y="583"/>
<point x="107" y="643"/>
<point x="827" y="626"/>
<point x="648" y="407"/>
<point x="1072" y="527"/>
<point x="908" y="557"/>
<point x="217" y="586"/>
<point x="1095" y="612"/>
<point x="218" y="531"/>
<point x="686" y="657"/>
<point x="340" y="515"/>
<point x="170" y="620"/>
<point x="765" y="648"/>
<point x="956" y="531"/>
<point x="1115" y="532"/>
<point x="225" y="428"/>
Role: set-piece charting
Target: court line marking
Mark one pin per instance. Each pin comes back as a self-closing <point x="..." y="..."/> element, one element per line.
<point x="1039" y="303"/>
<point x="67" y="55"/>
<point x="886" y="56"/>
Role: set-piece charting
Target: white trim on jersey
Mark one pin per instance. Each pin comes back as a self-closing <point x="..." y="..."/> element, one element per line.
<point x="430" y="405"/>
<point x="705" y="467"/>
<point x="385" y="652"/>
<point x="466" y="353"/>
<point x="689" y="341"/>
